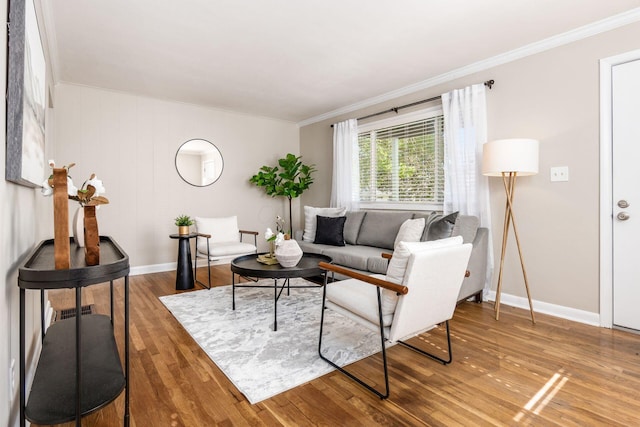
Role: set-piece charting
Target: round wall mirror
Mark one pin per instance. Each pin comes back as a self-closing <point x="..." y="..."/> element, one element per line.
<point x="199" y="162"/>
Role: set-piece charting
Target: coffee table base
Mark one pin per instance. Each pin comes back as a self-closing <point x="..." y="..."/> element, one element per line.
<point x="247" y="266"/>
<point x="277" y="292"/>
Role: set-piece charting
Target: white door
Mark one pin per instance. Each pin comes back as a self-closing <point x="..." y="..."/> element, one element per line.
<point x="626" y="194"/>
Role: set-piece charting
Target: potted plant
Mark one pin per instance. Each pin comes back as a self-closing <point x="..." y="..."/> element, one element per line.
<point x="290" y="179"/>
<point x="183" y="222"/>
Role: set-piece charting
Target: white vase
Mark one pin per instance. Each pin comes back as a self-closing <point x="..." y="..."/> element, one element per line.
<point x="288" y="253"/>
<point x="78" y="227"/>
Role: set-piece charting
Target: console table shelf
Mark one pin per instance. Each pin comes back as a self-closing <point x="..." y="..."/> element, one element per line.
<point x="78" y="353"/>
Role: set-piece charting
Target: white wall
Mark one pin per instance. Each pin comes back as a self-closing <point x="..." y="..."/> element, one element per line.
<point x="551" y="96"/>
<point x="25" y="219"/>
<point x="130" y="142"/>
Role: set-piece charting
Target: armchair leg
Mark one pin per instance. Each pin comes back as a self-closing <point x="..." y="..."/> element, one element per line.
<point x="382" y="340"/>
<point x="433" y="356"/>
<point x="195" y="267"/>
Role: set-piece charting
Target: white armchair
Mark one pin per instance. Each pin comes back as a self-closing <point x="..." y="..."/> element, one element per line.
<point x="418" y="292"/>
<point x="220" y="239"/>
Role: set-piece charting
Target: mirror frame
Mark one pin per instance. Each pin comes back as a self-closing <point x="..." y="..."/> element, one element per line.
<point x="217" y="150"/>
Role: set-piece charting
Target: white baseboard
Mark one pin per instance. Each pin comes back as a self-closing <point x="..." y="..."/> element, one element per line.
<point x="563" y="312"/>
<point x="154" y="268"/>
<point x="159" y="268"/>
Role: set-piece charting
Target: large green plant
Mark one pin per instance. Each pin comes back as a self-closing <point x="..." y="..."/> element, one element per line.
<point x="290" y="179"/>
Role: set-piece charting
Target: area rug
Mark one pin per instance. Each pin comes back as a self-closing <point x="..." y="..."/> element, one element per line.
<point x="261" y="362"/>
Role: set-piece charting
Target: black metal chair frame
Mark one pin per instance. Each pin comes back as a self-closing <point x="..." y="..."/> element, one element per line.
<point x="382" y="343"/>
<point x="208" y="236"/>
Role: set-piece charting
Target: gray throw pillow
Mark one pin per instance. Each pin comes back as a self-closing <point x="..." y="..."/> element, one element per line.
<point x="441" y="227"/>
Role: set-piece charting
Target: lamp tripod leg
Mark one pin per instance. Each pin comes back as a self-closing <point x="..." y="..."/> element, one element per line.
<point x="505" y="233"/>
<point x="510" y="188"/>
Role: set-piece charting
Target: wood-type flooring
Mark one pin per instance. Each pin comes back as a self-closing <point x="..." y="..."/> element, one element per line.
<point x="504" y="373"/>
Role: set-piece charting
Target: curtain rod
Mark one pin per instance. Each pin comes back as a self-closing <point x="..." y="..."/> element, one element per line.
<point x="488" y="83"/>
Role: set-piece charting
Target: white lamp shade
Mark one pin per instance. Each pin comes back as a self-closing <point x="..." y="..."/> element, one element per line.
<point x="510" y="155"/>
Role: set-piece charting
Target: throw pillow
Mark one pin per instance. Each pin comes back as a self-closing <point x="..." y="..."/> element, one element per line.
<point x="410" y="231"/>
<point x="398" y="263"/>
<point x="467" y="227"/>
<point x="330" y="230"/>
<point x="441" y="227"/>
<point x="310" y="222"/>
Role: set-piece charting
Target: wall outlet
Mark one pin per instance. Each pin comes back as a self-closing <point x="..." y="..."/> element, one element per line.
<point x="560" y="173"/>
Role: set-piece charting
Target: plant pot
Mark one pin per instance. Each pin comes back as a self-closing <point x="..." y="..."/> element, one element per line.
<point x="288" y="253"/>
<point x="183" y="230"/>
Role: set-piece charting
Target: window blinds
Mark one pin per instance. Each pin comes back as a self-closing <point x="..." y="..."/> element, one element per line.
<point x="403" y="163"/>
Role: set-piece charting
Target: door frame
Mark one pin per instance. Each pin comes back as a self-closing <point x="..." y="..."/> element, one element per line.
<point x="606" y="183"/>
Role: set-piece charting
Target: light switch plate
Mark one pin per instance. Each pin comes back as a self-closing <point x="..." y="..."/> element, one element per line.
<point x="560" y="173"/>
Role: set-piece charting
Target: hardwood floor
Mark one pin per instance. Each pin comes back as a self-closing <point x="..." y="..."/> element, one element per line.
<point x="506" y="372"/>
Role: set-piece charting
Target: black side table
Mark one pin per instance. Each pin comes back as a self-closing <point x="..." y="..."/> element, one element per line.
<point x="184" y="273"/>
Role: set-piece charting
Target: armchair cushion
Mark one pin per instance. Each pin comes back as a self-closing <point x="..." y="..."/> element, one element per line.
<point x="220" y="229"/>
<point x="225" y="238"/>
<point x="223" y="249"/>
<point x="360" y="298"/>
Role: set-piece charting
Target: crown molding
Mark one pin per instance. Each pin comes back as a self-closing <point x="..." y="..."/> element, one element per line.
<point x="567" y="37"/>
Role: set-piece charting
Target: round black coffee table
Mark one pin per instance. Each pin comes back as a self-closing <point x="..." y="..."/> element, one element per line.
<point x="249" y="267"/>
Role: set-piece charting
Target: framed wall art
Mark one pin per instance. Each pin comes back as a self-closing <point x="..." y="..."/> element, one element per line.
<point x="26" y="97"/>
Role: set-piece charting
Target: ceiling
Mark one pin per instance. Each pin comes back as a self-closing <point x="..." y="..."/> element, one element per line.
<point x="293" y="59"/>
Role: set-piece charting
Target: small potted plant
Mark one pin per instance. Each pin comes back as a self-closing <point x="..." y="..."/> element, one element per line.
<point x="184" y="222"/>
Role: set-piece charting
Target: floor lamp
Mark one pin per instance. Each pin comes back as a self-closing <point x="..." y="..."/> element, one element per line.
<point x="510" y="158"/>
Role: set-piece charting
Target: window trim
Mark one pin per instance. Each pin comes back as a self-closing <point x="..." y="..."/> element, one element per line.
<point x="422" y="114"/>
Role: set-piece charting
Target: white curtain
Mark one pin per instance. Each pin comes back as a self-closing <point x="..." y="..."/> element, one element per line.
<point x="344" y="186"/>
<point x="466" y="190"/>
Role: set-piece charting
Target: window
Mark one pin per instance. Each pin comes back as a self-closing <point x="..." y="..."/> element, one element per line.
<point x="401" y="162"/>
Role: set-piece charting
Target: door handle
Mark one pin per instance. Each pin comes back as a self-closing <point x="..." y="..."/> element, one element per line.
<point x="623" y="204"/>
<point x="623" y="216"/>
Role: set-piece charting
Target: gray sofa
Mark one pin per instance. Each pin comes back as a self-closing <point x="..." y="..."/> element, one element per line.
<point x="369" y="233"/>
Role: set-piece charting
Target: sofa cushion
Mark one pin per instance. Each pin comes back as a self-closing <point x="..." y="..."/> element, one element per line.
<point x="352" y="256"/>
<point x="441" y="227"/>
<point x="313" y="248"/>
<point x="352" y="226"/>
<point x="330" y="230"/>
<point x="410" y="231"/>
<point x="310" y="214"/>
<point x="467" y="227"/>
<point x="380" y="228"/>
<point x="361" y="298"/>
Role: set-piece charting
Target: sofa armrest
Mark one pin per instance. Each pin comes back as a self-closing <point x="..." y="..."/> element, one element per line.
<point x="474" y="284"/>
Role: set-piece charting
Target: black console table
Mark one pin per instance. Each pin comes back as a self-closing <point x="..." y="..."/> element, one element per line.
<point x="78" y="353"/>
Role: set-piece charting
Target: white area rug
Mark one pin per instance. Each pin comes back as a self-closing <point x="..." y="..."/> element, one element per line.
<point x="260" y="362"/>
